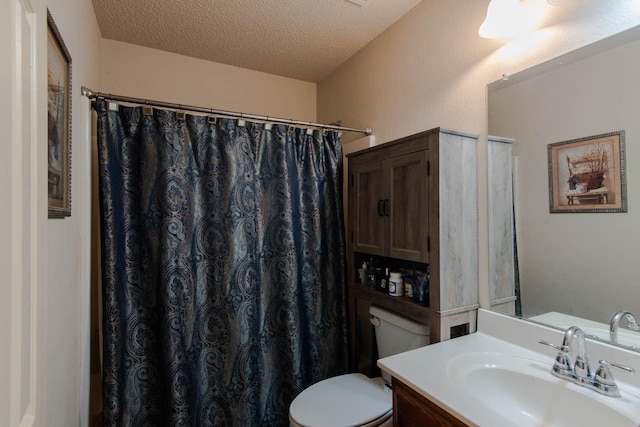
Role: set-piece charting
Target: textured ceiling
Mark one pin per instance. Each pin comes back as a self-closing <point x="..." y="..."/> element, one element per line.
<point x="302" y="39"/>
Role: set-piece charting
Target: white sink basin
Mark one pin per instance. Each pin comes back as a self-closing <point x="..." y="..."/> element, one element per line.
<point x="523" y="392"/>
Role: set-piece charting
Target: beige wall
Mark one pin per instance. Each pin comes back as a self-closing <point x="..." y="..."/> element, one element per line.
<point x="431" y="69"/>
<point x="68" y="254"/>
<point x="153" y="74"/>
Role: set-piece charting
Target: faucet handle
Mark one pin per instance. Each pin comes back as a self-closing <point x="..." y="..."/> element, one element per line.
<point x="560" y="348"/>
<point x="632" y="323"/>
<point x="562" y="366"/>
<point x="603" y="379"/>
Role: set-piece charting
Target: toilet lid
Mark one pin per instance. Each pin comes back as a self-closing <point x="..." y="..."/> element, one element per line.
<point x="345" y="400"/>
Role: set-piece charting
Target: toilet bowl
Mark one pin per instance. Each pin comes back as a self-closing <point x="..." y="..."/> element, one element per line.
<point x="345" y="400"/>
<point x="355" y="399"/>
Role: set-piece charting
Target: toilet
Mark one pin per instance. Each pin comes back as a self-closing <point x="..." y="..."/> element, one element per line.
<point x="355" y="399"/>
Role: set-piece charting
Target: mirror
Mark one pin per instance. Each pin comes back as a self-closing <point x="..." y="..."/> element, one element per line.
<point x="571" y="267"/>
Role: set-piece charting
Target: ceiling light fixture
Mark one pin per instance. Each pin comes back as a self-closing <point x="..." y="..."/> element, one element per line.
<point x="505" y="18"/>
<point x="558" y="2"/>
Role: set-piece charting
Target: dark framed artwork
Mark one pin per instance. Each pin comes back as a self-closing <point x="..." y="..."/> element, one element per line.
<point x="59" y="121"/>
<point x="588" y="174"/>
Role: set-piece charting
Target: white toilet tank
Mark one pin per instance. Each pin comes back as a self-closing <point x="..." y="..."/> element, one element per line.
<point x="395" y="333"/>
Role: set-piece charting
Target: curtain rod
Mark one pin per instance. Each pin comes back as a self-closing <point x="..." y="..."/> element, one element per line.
<point x="93" y="95"/>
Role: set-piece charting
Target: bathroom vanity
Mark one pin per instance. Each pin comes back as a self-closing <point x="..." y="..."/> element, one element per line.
<point x="405" y="209"/>
<point x="501" y="375"/>
<point x="411" y="409"/>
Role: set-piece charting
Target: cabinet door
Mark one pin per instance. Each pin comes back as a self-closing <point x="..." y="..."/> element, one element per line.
<point x="412" y="410"/>
<point x="368" y="220"/>
<point x="407" y="210"/>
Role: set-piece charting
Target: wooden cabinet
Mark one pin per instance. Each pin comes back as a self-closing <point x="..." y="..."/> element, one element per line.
<point x="367" y="206"/>
<point x="390" y="205"/>
<point x="414" y="200"/>
<point x="411" y="409"/>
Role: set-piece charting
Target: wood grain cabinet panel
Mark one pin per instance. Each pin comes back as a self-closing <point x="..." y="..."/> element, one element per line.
<point x="408" y="206"/>
<point x="411" y="409"/>
<point x="369" y="222"/>
<point x="389" y="206"/>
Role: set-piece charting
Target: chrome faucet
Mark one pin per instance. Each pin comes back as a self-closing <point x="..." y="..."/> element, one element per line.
<point x="581" y="368"/>
<point x="580" y="372"/>
<point x="632" y="323"/>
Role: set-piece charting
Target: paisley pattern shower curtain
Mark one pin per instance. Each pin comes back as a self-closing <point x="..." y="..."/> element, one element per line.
<point x="223" y="267"/>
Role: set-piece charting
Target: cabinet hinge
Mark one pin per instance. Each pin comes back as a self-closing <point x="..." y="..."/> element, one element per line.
<point x="428" y="244"/>
<point x="428" y="168"/>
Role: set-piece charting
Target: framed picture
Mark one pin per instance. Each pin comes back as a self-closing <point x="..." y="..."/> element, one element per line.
<point x="588" y="174"/>
<point x="59" y="118"/>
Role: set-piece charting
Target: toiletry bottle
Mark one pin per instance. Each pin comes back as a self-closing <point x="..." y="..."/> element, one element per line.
<point x="384" y="280"/>
<point x="363" y="273"/>
<point x="409" y="284"/>
<point x="370" y="274"/>
<point x="396" y="285"/>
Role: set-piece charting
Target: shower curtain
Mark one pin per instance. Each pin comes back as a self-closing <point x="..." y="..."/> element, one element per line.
<point x="223" y="267"/>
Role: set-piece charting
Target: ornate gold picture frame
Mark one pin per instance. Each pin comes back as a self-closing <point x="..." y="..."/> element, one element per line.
<point x="588" y="174"/>
<point x="59" y="121"/>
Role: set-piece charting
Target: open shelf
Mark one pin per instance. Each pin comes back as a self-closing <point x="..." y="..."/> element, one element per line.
<point x="399" y="304"/>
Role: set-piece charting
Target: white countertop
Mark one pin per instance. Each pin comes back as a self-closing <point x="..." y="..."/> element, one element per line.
<point x="428" y="371"/>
